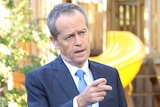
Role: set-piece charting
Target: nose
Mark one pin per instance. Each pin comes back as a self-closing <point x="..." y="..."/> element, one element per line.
<point x="78" y="40"/>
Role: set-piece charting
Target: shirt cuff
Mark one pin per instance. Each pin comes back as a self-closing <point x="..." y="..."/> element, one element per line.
<point x="75" y="104"/>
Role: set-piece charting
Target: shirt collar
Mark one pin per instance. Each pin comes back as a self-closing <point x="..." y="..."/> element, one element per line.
<point x="74" y="69"/>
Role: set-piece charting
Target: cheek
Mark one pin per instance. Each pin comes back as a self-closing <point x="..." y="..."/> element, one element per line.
<point x="66" y="49"/>
<point x="88" y="45"/>
<point x="88" y="42"/>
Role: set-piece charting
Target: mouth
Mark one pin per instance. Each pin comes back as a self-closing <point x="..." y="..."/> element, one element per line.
<point x="80" y="51"/>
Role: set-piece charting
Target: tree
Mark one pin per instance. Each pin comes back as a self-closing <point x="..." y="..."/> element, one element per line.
<point x="14" y="57"/>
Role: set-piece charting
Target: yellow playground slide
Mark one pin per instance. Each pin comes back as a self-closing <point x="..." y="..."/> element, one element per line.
<point x="124" y="51"/>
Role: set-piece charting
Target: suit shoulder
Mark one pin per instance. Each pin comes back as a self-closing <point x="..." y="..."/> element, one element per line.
<point x="105" y="69"/>
<point x="101" y="65"/>
<point x="42" y="68"/>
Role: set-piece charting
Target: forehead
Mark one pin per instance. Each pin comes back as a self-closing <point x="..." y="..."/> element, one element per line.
<point x="70" y="20"/>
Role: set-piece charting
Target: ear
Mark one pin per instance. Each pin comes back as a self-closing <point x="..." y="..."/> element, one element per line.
<point x="54" y="41"/>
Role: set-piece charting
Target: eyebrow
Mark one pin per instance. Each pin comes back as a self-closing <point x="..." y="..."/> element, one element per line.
<point x="77" y="31"/>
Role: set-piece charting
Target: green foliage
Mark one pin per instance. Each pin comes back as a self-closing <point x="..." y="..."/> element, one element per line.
<point x="1" y="80"/>
<point x="35" y="63"/>
<point x="20" y="29"/>
<point x="18" y="96"/>
<point x="8" y="3"/>
<point x="3" y="102"/>
<point x="3" y="99"/>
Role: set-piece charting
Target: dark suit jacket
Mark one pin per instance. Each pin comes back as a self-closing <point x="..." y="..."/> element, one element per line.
<point x="53" y="86"/>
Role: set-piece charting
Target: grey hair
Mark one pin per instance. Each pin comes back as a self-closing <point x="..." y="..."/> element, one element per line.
<point x="61" y="9"/>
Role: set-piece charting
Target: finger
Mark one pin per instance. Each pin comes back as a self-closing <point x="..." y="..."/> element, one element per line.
<point x="104" y="87"/>
<point x="108" y="87"/>
<point x="102" y="83"/>
<point x="99" y="81"/>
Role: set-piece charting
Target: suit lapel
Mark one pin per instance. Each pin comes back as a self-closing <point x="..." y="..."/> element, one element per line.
<point x="95" y="70"/>
<point x="97" y="73"/>
<point x="65" y="79"/>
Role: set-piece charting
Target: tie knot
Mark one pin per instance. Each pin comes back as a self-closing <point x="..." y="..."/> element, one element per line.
<point x="80" y="73"/>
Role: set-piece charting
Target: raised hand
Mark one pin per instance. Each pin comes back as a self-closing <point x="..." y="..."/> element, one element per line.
<point x="93" y="93"/>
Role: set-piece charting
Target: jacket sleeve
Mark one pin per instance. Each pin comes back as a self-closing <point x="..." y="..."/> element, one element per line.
<point x="68" y="104"/>
<point x="121" y="94"/>
<point x="36" y="97"/>
<point x="36" y="94"/>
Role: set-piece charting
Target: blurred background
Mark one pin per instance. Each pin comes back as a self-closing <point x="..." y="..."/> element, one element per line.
<point x="24" y="43"/>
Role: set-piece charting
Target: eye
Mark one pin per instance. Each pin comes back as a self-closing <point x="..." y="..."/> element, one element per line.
<point x="83" y="32"/>
<point x="68" y="37"/>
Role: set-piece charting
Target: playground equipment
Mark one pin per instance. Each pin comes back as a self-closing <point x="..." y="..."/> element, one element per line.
<point x="124" y="51"/>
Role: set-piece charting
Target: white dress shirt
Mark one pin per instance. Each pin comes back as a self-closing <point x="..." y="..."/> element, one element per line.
<point x="87" y="76"/>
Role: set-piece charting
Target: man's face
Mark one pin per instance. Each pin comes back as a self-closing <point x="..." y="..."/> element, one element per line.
<point x="73" y="39"/>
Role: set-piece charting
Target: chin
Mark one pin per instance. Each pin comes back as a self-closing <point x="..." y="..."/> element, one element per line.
<point x="81" y="60"/>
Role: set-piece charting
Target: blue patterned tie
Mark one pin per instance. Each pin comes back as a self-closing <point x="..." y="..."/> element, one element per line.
<point x="82" y="83"/>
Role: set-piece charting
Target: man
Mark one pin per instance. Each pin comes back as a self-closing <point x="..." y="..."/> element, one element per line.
<point x="57" y="83"/>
